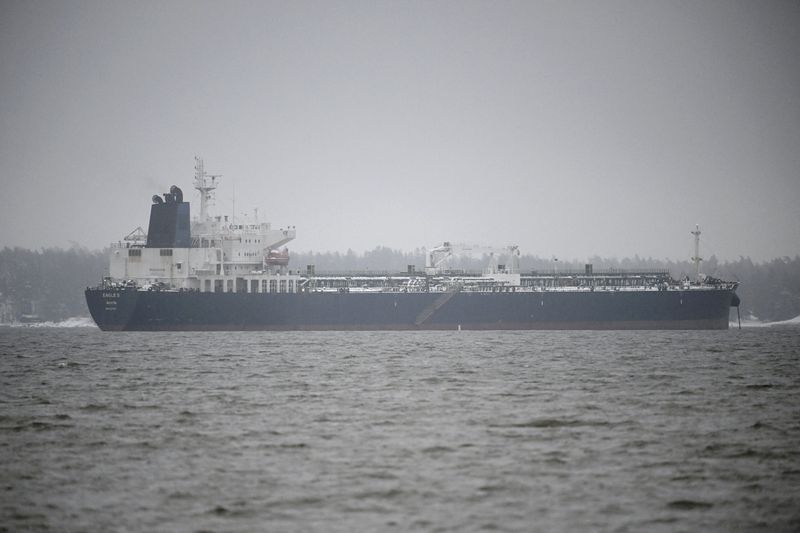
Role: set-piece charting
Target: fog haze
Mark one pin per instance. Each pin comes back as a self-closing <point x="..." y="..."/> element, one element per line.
<point x="569" y="128"/>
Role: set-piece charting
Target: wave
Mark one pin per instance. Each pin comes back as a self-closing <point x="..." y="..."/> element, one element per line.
<point x="73" y="322"/>
<point x="754" y="323"/>
<point x="790" y="322"/>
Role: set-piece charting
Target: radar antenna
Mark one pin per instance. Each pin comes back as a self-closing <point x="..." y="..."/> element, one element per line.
<point x="696" y="259"/>
<point x="205" y="183"/>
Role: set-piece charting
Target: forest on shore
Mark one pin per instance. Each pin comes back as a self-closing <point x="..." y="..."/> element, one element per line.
<point x="49" y="283"/>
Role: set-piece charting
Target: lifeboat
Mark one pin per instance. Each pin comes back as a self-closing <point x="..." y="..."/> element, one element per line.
<point x="277" y="257"/>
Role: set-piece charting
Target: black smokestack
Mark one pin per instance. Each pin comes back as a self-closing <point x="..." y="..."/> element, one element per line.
<point x="169" y="222"/>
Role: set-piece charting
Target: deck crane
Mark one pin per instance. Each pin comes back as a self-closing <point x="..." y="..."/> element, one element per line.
<point x="437" y="258"/>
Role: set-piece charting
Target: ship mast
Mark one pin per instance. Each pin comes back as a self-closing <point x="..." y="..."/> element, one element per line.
<point x="206" y="184"/>
<point x="696" y="259"/>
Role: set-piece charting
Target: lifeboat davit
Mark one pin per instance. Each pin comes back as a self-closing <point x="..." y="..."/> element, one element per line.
<point x="277" y="257"/>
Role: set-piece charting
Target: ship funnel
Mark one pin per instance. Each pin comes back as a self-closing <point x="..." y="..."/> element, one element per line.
<point x="169" y="221"/>
<point x="177" y="193"/>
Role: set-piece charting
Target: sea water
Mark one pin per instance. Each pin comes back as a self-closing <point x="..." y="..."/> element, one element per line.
<point x="412" y="431"/>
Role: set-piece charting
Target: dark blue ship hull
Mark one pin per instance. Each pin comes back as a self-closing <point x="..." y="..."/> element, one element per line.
<point x="132" y="310"/>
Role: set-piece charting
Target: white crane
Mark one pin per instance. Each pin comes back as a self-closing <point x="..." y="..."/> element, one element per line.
<point x="437" y="258"/>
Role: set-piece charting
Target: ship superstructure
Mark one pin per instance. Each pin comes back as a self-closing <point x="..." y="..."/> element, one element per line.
<point x="221" y="272"/>
<point x="208" y="253"/>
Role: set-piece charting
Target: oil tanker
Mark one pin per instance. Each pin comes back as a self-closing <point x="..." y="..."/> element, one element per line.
<point x="221" y="273"/>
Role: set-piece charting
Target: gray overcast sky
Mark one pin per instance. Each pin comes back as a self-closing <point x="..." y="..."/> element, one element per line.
<point x="571" y="128"/>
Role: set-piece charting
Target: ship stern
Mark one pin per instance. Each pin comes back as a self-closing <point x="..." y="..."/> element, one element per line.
<point x="111" y="308"/>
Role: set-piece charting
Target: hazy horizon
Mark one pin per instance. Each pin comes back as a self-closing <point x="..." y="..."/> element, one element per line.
<point x="570" y="129"/>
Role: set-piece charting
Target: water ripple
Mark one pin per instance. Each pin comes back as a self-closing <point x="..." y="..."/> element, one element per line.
<point x="405" y="431"/>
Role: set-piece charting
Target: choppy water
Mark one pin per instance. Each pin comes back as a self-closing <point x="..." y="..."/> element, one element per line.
<point x="422" y="431"/>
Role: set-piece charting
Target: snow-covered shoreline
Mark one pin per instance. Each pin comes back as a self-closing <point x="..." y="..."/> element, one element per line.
<point x="74" y="322"/>
<point x="87" y="322"/>
<point x="754" y="323"/>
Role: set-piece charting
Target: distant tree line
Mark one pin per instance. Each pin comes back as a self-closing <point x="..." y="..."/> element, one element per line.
<point x="49" y="282"/>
